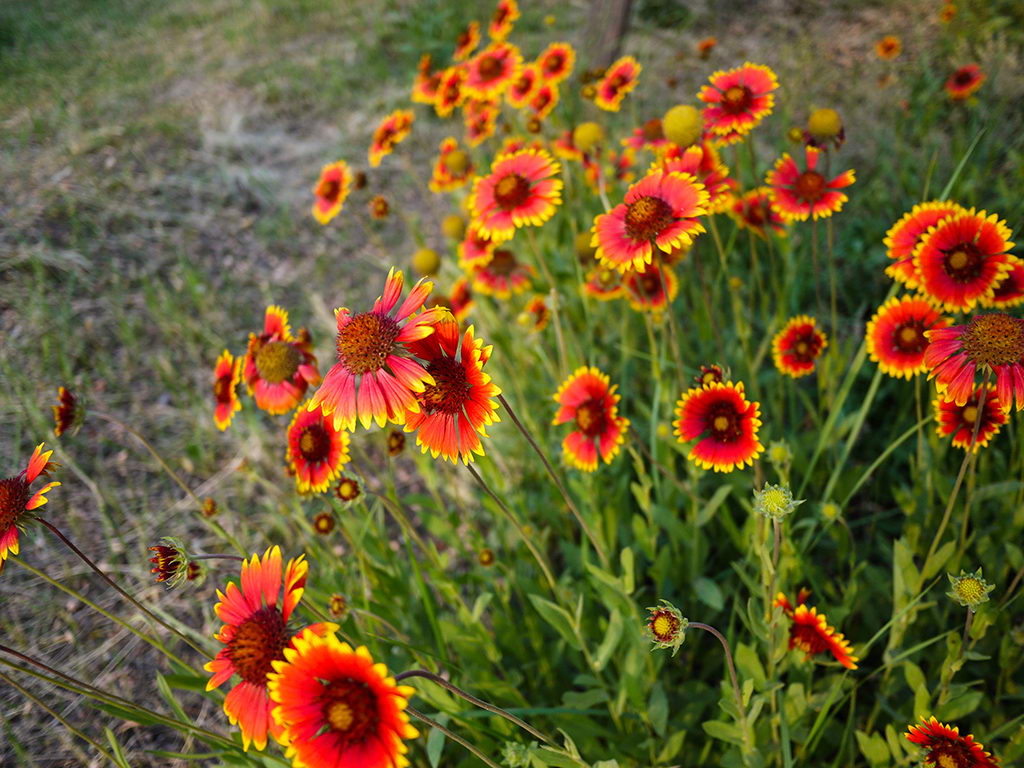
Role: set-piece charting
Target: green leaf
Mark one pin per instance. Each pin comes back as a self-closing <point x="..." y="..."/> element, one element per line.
<point x="610" y="642"/>
<point x="716" y="729"/>
<point x="707" y="511"/>
<point x="628" y="580"/>
<point x="558" y="618"/>
<point x="672" y="746"/>
<point x="436" y="740"/>
<point x="938" y="560"/>
<point x="749" y="664"/>
<point x="961" y="706"/>
<point x="115" y="747"/>
<point x="186" y="682"/>
<point x="874" y="748"/>
<point x="584" y="699"/>
<point x="657" y="708"/>
<point x="168" y="696"/>
<point x="709" y="593"/>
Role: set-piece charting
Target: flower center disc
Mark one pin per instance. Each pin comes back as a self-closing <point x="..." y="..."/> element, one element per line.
<point x="512" y="191"/>
<point x="490" y="67"/>
<point x="950" y="755"/>
<point x="724" y="423"/>
<point x="350" y="709"/>
<point x="647" y="217"/>
<point x="503" y="262"/>
<point x="964" y="264"/>
<point x="329" y="189"/>
<point x="259" y="640"/>
<point x="910" y="340"/>
<point x="554" y="63"/>
<point x="994" y="339"/>
<point x="277" y="361"/>
<point x="222" y="389"/>
<point x="970" y="589"/>
<point x="366" y="341"/>
<point x="736" y="99"/>
<point x="450" y="388"/>
<point x="315" y="443"/>
<point x="590" y="418"/>
<point x="806" y="349"/>
<point x="810" y="186"/>
<point x="14" y="496"/>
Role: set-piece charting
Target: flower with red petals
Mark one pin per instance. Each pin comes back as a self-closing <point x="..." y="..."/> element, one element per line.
<point x="565" y="148"/>
<point x="536" y="314"/>
<point x="604" y="283"/>
<point x="659" y="210"/>
<point x="946" y="748"/>
<point x="652" y="288"/>
<point x="724" y="423"/>
<point x="753" y="211"/>
<point x="619" y="79"/>
<point x="895" y="335"/>
<point x="278" y="368"/>
<point x="69" y="412"/>
<point x="452" y="169"/>
<point x="650" y="135"/>
<point x="480" y="120"/>
<point x="502" y="276"/>
<point x="331" y="190"/>
<point x="798" y="195"/>
<point x="16" y="498"/>
<point x="1009" y="292"/>
<point x="461" y="301"/>
<point x="556" y="62"/>
<point x="476" y="249"/>
<point x="738" y="100"/>
<point x="523" y="88"/>
<point x="467" y="41"/>
<point x="797" y="347"/>
<point x="375" y="378"/>
<point x="505" y="15"/>
<point x="544" y="100"/>
<point x="227" y="373"/>
<point x="810" y="632"/>
<point x="317" y="450"/>
<point x="588" y="400"/>
<point x="424" y="87"/>
<point x="521" y="190"/>
<point x="492" y="71"/>
<point x="703" y="162"/>
<point x="993" y="342"/>
<point x="965" y="82"/>
<point x="888" y="48"/>
<point x="255" y="635"/>
<point x="392" y="130"/>
<point x="960" y="420"/>
<point x="450" y="90"/>
<point x="904" y="236"/>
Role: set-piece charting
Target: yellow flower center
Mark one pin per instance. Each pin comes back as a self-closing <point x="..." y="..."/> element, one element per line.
<point x="366" y="341"/>
<point x="721" y="423"/>
<point x="647" y="217"/>
<point x="349" y="709"/>
<point x="774" y="501"/>
<point x="994" y="339"/>
<point x="662" y="626"/>
<point x="277" y="361"/>
<point x="970" y="590"/>
<point x="511" y="191"/>
<point x="456" y="162"/>
<point x="736" y="99"/>
<point x="339" y="715"/>
<point x="970" y="413"/>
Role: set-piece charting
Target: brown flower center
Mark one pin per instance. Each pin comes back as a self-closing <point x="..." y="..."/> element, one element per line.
<point x="964" y="264"/>
<point x="315" y="443"/>
<point x="277" y="361"/>
<point x="554" y="63"/>
<point x="350" y="709"/>
<point x="964" y="77"/>
<point x="502" y="263"/>
<point x="512" y="191"/>
<point x="490" y="67"/>
<point x="807" y="348"/>
<point x="649" y="284"/>
<point x="329" y="189"/>
<point x="653" y="130"/>
<point x="994" y="339"/>
<point x="736" y="99"/>
<point x="465" y="38"/>
<point x="396" y="442"/>
<point x="450" y="389"/>
<point x="258" y="641"/>
<point x="14" y="496"/>
<point x="647" y="217"/>
<point x="591" y="418"/>
<point x="909" y="338"/>
<point x="724" y="422"/>
<point x="810" y="186"/>
<point x="366" y="341"/>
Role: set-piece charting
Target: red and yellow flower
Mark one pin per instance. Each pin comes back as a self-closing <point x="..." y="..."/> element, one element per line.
<point x="392" y="130"/>
<point x="962" y="259"/>
<point x="588" y="399"/>
<point x="544" y="100"/>
<point x="467" y="41"/>
<point x="502" y="276"/>
<point x="424" y="87"/>
<point x="959" y="420"/>
<point x="993" y="342"/>
<point x="604" y="283"/>
<point x="703" y="162"/>
<point x="903" y="238"/>
<point x="450" y="91"/>
<point x="810" y="632"/>
<point x="888" y="48"/>
<point x="895" y="335"/>
<point x="797" y="347"/>
<point x="556" y="62"/>
<point x="738" y="100"/>
<point x="724" y="423"/>
<point x="946" y="748"/>
<point x="334" y="707"/>
<point x="753" y="210"/>
<point x="454" y="411"/>
<point x="659" y="210"/>
<point x="705" y="46"/>
<point x="565" y="148"/>
<point x="492" y="71"/>
<point x="452" y="169"/>
<point x="480" y="120"/>
<point x="68" y="413"/>
<point x="650" y="136"/>
<point x="317" y="451"/>
<point x="522" y="89"/>
<point x="1010" y="291"/>
<point x="536" y="314"/>
<point x="278" y="367"/>
<point x="505" y="15"/>
<point x="619" y="79"/>
<point x="521" y="190"/>
<point x="375" y="378"/>
<point x="16" y="498"/>
<point x="331" y="190"/>
<point x="798" y="195"/>
<point x="965" y="82"/>
<point x="226" y="375"/>
<point x="476" y="249"/>
<point x="255" y="634"/>
<point x="651" y="289"/>
<point x="461" y="300"/>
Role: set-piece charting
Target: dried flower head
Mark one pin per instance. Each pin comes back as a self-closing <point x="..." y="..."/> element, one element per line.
<point x="170" y="561"/>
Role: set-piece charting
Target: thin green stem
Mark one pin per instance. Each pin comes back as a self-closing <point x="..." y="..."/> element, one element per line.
<point x="732" y="677"/>
<point x="454" y="737"/>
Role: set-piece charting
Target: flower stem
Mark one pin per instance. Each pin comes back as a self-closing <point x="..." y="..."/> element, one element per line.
<point x="967" y="630"/>
<point x="558" y="483"/>
<point x="70" y="545"/>
<point x="457" y="739"/>
<point x="732" y="676"/>
<point x="473" y="700"/>
<point x="239" y="558"/>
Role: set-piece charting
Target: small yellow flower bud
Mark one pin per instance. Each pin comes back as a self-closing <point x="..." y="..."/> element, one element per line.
<point x="426" y="262"/>
<point x="588" y="136"/>
<point x="824" y="124"/>
<point x="683" y="125"/>
<point x="454" y="227"/>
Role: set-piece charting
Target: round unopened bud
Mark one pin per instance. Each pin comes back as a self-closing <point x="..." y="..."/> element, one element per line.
<point x="426" y="262"/>
<point x="453" y="226"/>
<point x="456" y="162"/>
<point x="683" y="125"/>
<point x="586" y="137"/>
<point x="824" y="124"/>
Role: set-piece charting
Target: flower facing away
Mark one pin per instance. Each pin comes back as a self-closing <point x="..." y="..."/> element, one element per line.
<point x="455" y="409"/>
<point x="753" y="210"/>
<point x="278" y="368"/>
<point x="389" y="133"/>
<point x="946" y="748"/>
<point x="969" y="589"/>
<point x="797" y="347"/>
<point x="709" y="374"/>
<point x="374" y="378"/>
<point x="69" y="412"/>
<point x="502" y="276"/>
<point x="724" y="423"/>
<point x="738" y="100"/>
<point x="905" y="235"/>
<point x="226" y="375"/>
<point x="347" y="489"/>
<point x="467" y="41"/>
<point x="170" y="561"/>
<point x="331" y="190"/>
<point x="335" y="707"/>
<point x="556" y="62"/>
<point x="619" y="79"/>
<point x="798" y="195"/>
<point x="661" y="210"/>
<point x="16" y="498"/>
<point x="809" y="632"/>
<point x="775" y="501"/>
<point x="960" y="420"/>
<point x="963" y="83"/>
<point x="992" y="341"/>
<point x="666" y="626"/>
<point x="962" y="259"/>
<point x="492" y="71"/>
<point x="588" y="400"/>
<point x="895" y="335"/>
<point x="505" y="15"/>
<point x="888" y="48"/>
<point x="255" y="634"/>
<point x="519" y="191"/>
<point x="317" y="450"/>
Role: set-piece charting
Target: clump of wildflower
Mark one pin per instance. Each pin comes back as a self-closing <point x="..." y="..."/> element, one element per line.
<point x="666" y="626"/>
<point x="775" y="501"/>
<point x="170" y="561"/>
<point x="969" y="589"/>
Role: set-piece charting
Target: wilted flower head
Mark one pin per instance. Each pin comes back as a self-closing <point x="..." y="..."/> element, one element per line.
<point x="666" y="626"/>
<point x="68" y="413"/>
<point x="969" y="589"/>
<point x="775" y="501"/>
<point x="170" y="561"/>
